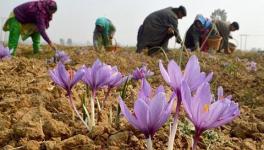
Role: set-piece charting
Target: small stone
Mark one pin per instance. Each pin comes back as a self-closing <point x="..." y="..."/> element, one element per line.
<point x="32" y="145"/>
<point x="134" y="139"/>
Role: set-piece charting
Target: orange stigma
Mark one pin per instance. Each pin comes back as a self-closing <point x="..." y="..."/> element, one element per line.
<point x="206" y="108"/>
<point x="71" y="73"/>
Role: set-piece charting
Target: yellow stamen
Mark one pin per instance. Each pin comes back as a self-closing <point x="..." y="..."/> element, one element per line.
<point x="206" y="108"/>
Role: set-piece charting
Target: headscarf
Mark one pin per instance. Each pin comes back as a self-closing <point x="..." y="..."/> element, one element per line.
<point x="207" y="23"/>
<point x="43" y="7"/>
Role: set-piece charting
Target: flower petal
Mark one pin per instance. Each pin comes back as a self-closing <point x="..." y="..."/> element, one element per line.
<point x="145" y="90"/>
<point x="131" y="119"/>
<point x="164" y="73"/>
<point x="142" y="114"/>
<point x="77" y="77"/>
<point x="175" y="74"/>
<point x="55" y="77"/>
<point x="187" y="100"/>
<point x="64" y="75"/>
<point x="157" y="108"/>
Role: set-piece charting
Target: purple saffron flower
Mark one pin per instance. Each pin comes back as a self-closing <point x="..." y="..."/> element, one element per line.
<point x="97" y="76"/>
<point x="192" y="74"/>
<point x="61" y="56"/>
<point x="143" y="72"/>
<point x="66" y="79"/>
<point x="203" y="113"/>
<point x="4" y="53"/>
<point x="116" y="78"/>
<point x="251" y="66"/>
<point x="150" y="113"/>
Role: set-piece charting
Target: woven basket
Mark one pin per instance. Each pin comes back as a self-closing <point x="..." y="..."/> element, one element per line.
<point x="214" y="42"/>
<point x="111" y="48"/>
<point x="232" y="47"/>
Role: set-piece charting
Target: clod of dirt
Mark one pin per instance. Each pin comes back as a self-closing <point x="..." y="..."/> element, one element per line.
<point x="78" y="142"/>
<point x="5" y="136"/>
<point x="30" y="145"/>
<point x="244" y="129"/>
<point x="116" y="139"/>
<point x="54" y="128"/>
<point x="249" y="144"/>
<point x="261" y="127"/>
<point x="96" y="131"/>
<point x="259" y="113"/>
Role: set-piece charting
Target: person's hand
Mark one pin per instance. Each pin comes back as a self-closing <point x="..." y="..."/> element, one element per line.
<point x="179" y="40"/>
<point x="111" y="36"/>
<point x="170" y="30"/>
<point x="52" y="46"/>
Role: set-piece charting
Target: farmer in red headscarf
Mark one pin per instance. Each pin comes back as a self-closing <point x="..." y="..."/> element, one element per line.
<point x="30" y="19"/>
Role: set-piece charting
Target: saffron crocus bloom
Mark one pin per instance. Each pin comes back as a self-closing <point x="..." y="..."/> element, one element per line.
<point x="66" y="79"/>
<point x="192" y="74"/>
<point x="150" y="112"/>
<point x="203" y="113"/>
<point x="61" y="56"/>
<point x="4" y="53"/>
<point x="174" y="77"/>
<point x="116" y="78"/>
<point x="252" y="66"/>
<point x="143" y="72"/>
<point x="97" y="76"/>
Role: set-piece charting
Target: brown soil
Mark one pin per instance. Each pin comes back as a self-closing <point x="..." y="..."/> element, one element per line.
<point x="34" y="114"/>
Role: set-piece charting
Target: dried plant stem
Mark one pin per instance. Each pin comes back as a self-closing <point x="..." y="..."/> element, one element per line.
<point x="106" y="96"/>
<point x="175" y="122"/>
<point x="98" y="104"/>
<point x="110" y="115"/>
<point x="71" y="102"/>
<point x="87" y="115"/>
<point x="92" y="110"/>
<point x="149" y="144"/>
<point x="73" y="115"/>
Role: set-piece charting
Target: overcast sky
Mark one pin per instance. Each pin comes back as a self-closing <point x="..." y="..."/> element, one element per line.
<point x="75" y="18"/>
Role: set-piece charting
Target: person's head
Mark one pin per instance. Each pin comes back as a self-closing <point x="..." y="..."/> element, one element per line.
<point x="99" y="28"/>
<point x="180" y="12"/>
<point x="234" y="26"/>
<point x="52" y="7"/>
<point x="198" y="24"/>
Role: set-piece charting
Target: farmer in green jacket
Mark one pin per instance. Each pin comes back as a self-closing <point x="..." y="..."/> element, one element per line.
<point x="103" y="33"/>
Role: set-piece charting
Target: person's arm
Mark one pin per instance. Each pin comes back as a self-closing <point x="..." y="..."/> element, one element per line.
<point x="174" y="25"/>
<point x="112" y="30"/>
<point x="42" y="30"/>
<point x="196" y="40"/>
